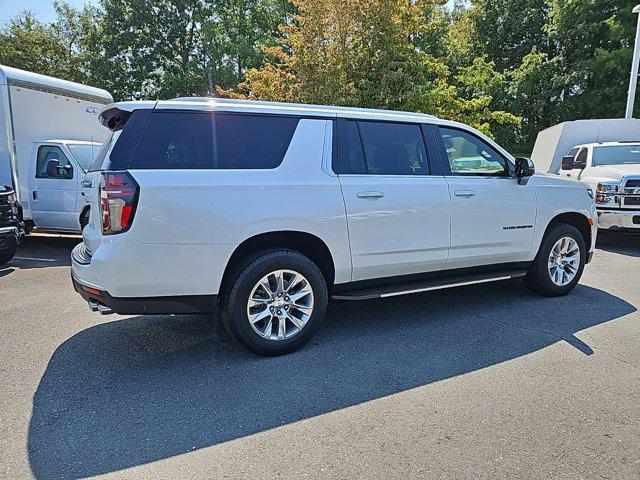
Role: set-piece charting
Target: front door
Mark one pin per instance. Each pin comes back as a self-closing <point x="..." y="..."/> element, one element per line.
<point x="397" y="209"/>
<point x="54" y="191"/>
<point x="492" y="215"/>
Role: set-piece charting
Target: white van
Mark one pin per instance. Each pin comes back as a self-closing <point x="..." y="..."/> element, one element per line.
<point x="49" y="138"/>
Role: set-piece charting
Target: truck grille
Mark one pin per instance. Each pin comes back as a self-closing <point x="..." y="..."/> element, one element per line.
<point x="6" y="215"/>
<point x="631" y="193"/>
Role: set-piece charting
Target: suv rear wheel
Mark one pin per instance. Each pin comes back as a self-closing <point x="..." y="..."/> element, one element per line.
<point x="276" y="303"/>
<point x="558" y="267"/>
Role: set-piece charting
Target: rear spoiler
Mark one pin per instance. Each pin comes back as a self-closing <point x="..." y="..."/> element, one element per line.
<point x="115" y="115"/>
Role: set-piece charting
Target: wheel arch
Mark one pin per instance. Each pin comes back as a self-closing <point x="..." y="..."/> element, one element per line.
<point x="306" y="243"/>
<point x="578" y="220"/>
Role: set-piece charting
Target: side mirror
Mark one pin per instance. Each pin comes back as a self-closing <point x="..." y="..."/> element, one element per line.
<point x="524" y="168"/>
<point x="55" y="170"/>
<point x="53" y="167"/>
<point x="567" y="163"/>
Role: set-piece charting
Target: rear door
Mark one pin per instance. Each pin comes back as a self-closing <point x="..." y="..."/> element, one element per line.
<point x="492" y="215"/>
<point x="397" y="200"/>
<point x="54" y="188"/>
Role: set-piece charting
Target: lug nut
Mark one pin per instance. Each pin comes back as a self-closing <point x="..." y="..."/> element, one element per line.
<point x="279" y="312"/>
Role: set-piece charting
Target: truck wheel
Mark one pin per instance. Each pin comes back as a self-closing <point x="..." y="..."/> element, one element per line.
<point x="7" y="255"/>
<point x="558" y="267"/>
<point x="276" y="303"/>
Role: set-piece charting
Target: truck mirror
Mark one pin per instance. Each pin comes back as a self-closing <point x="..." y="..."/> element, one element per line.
<point x="53" y="167"/>
<point x="567" y="163"/>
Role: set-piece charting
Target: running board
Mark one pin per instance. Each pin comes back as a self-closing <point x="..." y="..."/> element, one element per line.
<point x="427" y="286"/>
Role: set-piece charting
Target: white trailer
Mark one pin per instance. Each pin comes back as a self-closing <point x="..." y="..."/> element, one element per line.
<point x="49" y="135"/>
<point x="556" y="142"/>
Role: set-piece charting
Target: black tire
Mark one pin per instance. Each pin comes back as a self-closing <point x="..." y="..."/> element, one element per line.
<point x="7" y="255"/>
<point x="538" y="278"/>
<point x="235" y="295"/>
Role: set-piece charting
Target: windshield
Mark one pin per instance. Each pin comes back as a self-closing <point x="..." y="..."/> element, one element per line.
<point x="616" y="155"/>
<point x="84" y="153"/>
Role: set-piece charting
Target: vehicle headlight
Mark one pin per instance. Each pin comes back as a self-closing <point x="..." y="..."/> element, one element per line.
<point x="606" y="193"/>
<point x="11" y="198"/>
<point x="607" y="187"/>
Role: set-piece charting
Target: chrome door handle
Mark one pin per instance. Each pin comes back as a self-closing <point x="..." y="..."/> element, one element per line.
<point x="464" y="193"/>
<point x="373" y="195"/>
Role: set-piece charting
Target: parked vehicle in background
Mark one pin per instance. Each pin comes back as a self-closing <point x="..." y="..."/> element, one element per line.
<point x="268" y="210"/>
<point x="11" y="228"/>
<point x="49" y="138"/>
<point x="554" y="143"/>
<point x="613" y="171"/>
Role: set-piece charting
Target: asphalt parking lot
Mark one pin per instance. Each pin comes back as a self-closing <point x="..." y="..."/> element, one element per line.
<point x="477" y="382"/>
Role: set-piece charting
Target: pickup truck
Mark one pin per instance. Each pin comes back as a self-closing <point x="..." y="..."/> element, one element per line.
<point x="612" y="169"/>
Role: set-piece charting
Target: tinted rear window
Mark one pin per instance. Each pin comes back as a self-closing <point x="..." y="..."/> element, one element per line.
<point x="393" y="149"/>
<point x="176" y="140"/>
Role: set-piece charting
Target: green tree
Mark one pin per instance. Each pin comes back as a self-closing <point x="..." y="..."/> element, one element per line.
<point x="172" y="48"/>
<point x="60" y="49"/>
<point x="366" y="53"/>
<point x="595" y="46"/>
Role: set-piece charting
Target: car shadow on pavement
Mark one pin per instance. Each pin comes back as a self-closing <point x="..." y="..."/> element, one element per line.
<point x="42" y="251"/>
<point x="142" y="389"/>
<point x="625" y="244"/>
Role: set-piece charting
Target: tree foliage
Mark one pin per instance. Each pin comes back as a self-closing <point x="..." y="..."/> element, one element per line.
<point x="368" y="53"/>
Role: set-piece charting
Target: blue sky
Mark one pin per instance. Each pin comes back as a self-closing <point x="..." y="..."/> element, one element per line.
<point x="43" y="9"/>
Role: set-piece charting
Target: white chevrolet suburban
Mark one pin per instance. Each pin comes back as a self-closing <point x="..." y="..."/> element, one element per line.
<point x="269" y="210"/>
<point x="612" y="169"/>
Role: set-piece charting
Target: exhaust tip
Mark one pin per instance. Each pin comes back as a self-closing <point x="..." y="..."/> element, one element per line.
<point x="98" y="307"/>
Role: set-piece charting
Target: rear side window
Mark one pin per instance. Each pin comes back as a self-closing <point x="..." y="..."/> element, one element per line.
<point x="381" y="148"/>
<point x="393" y="149"/>
<point x="176" y="140"/>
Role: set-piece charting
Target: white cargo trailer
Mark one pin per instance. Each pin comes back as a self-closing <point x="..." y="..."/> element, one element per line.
<point x="554" y="143"/>
<point x="49" y="135"/>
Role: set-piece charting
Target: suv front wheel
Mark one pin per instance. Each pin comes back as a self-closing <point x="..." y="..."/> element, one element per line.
<point x="558" y="267"/>
<point x="276" y="303"/>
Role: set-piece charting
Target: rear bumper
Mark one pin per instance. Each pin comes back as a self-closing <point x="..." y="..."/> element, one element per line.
<point x="619" y="219"/>
<point x="144" y="305"/>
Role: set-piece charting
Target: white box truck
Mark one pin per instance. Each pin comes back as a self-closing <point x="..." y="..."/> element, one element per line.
<point x="556" y="142"/>
<point x="49" y="136"/>
<point x="604" y="154"/>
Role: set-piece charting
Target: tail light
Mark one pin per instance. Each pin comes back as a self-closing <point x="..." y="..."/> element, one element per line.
<point x="118" y="199"/>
